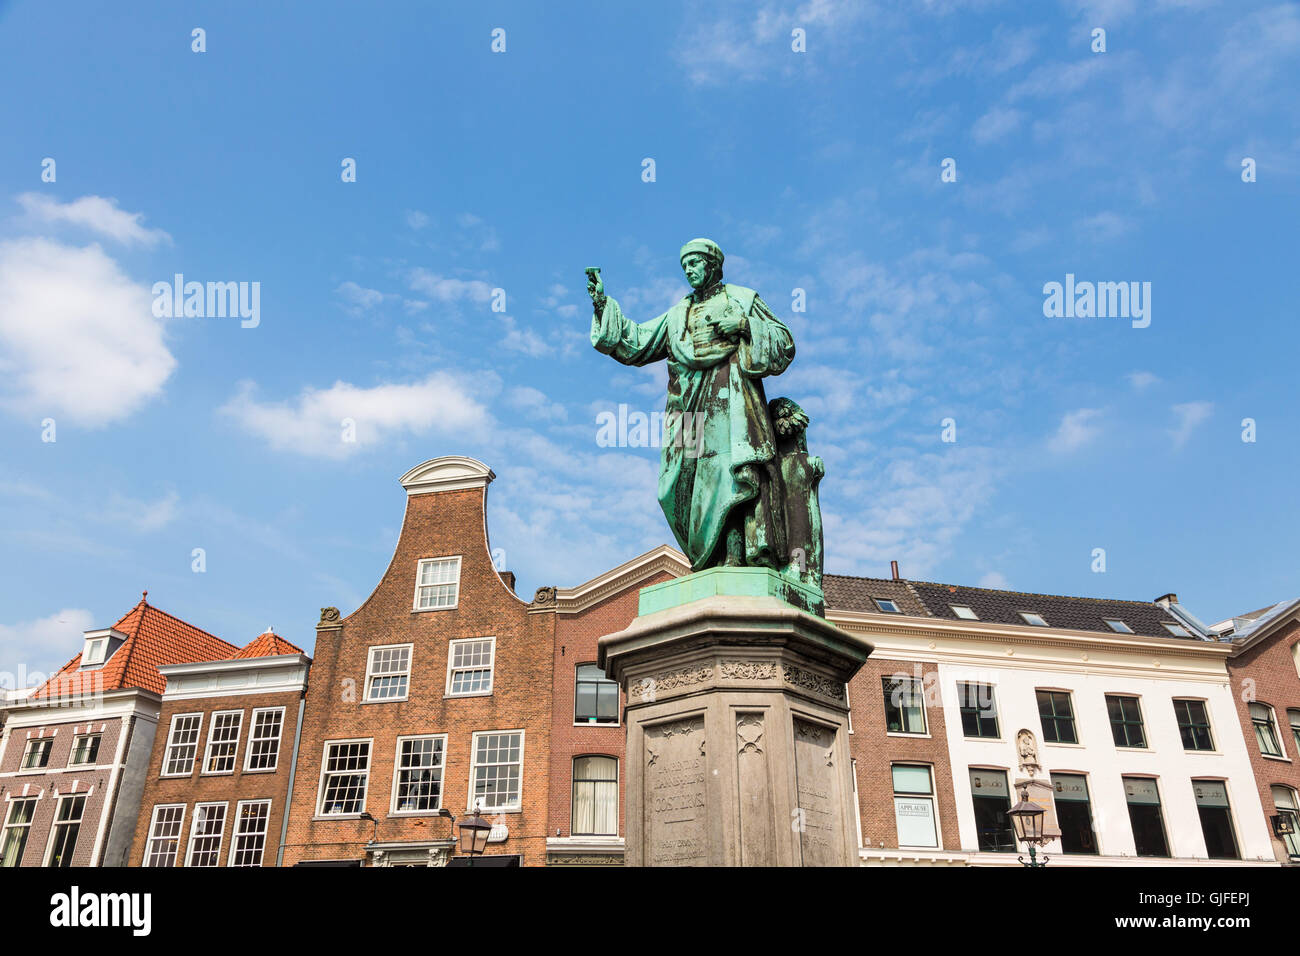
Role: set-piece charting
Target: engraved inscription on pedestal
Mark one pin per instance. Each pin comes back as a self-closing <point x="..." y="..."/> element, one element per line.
<point x="675" y="818"/>
<point x="757" y="840"/>
<point x="818" y="815"/>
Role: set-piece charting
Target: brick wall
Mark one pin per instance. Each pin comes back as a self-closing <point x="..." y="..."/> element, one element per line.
<point x="1266" y="673"/>
<point x="875" y="750"/>
<point x="58" y="779"/>
<point x="437" y="524"/>
<point x="198" y="787"/>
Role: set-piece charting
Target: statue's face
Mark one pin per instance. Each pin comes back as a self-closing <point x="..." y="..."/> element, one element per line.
<point x="698" y="268"/>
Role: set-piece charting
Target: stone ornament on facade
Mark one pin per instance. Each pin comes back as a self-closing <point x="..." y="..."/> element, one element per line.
<point x="749" y="731"/>
<point x="814" y="683"/>
<point x="1027" y="748"/>
<point x="544" y="597"/>
<point x="748" y="670"/>
<point x="329" y="615"/>
<point x="648" y="687"/>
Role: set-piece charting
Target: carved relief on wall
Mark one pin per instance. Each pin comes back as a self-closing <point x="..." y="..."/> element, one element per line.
<point x="816" y="683"/>
<point x="749" y="733"/>
<point x="648" y="688"/>
<point x="748" y="670"/>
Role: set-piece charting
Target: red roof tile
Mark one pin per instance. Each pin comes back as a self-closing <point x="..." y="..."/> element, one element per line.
<point x="268" y="644"/>
<point x="153" y="638"/>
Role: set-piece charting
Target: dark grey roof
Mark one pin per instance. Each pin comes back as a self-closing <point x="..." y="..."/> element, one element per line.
<point x="929" y="599"/>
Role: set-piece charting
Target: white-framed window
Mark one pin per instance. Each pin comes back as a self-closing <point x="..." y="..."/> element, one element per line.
<point x="182" y="745"/>
<point x="595" y="796"/>
<point x="388" y="672"/>
<point x="437" y="584"/>
<point x="37" y="754"/>
<point x="1177" y="630"/>
<point x="1034" y="618"/>
<point x="496" y="770"/>
<point x="914" y="814"/>
<point x="1266" y="735"/>
<point x="1116" y="625"/>
<point x="18" y="825"/>
<point x="417" y="773"/>
<point x="67" y="827"/>
<point x="469" y="666"/>
<point x="964" y="612"/>
<point x="344" y="773"/>
<point x="85" y="750"/>
<point x="264" y="739"/>
<point x="206" y="831"/>
<point x="248" y="842"/>
<point x="223" y="741"/>
<point x="164" y="835"/>
<point x="887" y="606"/>
<point x="95" y="650"/>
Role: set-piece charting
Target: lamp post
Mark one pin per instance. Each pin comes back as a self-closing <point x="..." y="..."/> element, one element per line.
<point x="474" y="832"/>
<point x="1027" y="818"/>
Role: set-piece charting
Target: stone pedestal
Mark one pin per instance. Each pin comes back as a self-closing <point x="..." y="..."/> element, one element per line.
<point x="737" y="726"/>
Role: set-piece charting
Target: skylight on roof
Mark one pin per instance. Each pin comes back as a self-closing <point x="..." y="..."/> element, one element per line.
<point x="1177" y="630"/>
<point x="886" y="605"/>
<point x="1117" y="625"/>
<point x="964" y="612"/>
<point x="1033" y="618"/>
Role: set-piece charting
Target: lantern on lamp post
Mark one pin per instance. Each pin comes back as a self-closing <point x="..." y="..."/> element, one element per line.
<point x="474" y="832"/>
<point x="1027" y="819"/>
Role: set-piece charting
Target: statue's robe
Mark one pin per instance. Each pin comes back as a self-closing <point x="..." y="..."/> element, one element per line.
<point x="718" y="465"/>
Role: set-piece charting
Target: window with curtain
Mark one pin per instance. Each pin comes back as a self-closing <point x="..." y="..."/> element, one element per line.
<point x="595" y="796"/>
<point x="1261" y="716"/>
<point x="1284" y="798"/>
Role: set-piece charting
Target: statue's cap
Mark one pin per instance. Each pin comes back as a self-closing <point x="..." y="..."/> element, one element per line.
<point x="703" y="246"/>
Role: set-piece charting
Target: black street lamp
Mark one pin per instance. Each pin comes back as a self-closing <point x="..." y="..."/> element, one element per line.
<point x="474" y="832"/>
<point x="1027" y="818"/>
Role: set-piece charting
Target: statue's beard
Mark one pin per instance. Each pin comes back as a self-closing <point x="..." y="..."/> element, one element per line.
<point x="710" y="278"/>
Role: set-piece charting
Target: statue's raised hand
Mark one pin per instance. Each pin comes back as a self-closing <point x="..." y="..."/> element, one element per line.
<point x="595" y="287"/>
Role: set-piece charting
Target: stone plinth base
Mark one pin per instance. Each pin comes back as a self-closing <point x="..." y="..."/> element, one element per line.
<point x="737" y="734"/>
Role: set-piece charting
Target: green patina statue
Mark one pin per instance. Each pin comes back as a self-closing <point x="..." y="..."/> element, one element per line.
<point x="736" y="482"/>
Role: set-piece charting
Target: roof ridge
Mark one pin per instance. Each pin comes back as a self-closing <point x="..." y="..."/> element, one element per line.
<point x="193" y="627"/>
<point x="972" y="587"/>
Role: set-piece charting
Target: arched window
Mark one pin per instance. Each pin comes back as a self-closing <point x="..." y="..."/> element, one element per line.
<point x="595" y="797"/>
<point x="1289" y="810"/>
<point x="1261" y="715"/>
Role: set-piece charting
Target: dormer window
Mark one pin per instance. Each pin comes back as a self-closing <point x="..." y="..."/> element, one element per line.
<point x="1117" y="625"/>
<point x="964" y="612"/>
<point x="100" y="646"/>
<point x="1177" y="630"/>
<point x="887" y="606"/>
<point x="1034" y="618"/>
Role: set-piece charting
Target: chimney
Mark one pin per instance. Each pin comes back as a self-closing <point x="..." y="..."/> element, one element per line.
<point x="509" y="578"/>
<point x="893" y="569"/>
<point x="1167" y="599"/>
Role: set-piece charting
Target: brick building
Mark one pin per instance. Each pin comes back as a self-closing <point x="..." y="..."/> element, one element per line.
<point x="219" y="776"/>
<point x="587" y="734"/>
<point x="75" y="752"/>
<point x="429" y="699"/>
<point x="1265" y="670"/>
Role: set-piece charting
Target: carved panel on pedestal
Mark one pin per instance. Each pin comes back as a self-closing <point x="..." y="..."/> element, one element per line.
<point x="757" y="839"/>
<point x="817" y="781"/>
<point x="674" y="804"/>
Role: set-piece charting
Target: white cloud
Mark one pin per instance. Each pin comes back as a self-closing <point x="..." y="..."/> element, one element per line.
<point x="1104" y="226"/>
<point x="535" y="404"/>
<point x="995" y="580"/>
<point x="142" y="515"/>
<point x="359" y="298"/>
<point x="314" y="423"/>
<point x="446" y="289"/>
<point x="995" y="124"/>
<point x="78" y="339"/>
<point x="416" y="219"/>
<point x="31" y="650"/>
<point x="1189" y="415"/>
<point x="1076" y="430"/>
<point x="1141" y="380"/>
<point x="94" y="213"/>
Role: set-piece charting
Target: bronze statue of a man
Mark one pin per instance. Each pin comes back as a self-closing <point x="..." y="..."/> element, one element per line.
<point x="720" y="479"/>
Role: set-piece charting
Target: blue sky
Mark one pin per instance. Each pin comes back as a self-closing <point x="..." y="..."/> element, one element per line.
<point x="478" y="170"/>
